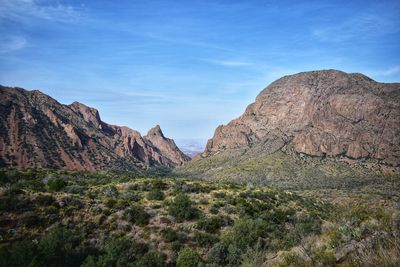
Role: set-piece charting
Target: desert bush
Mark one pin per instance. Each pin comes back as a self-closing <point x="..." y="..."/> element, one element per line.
<point x="219" y="194"/>
<point x="188" y="258"/>
<point x="213" y="224"/>
<point x="18" y="254"/>
<point x="218" y="254"/>
<point x="159" y="184"/>
<point x="182" y="209"/>
<point x="293" y="259"/>
<point x="169" y="235"/>
<point x="110" y="202"/>
<point x="214" y="210"/>
<point x="14" y="200"/>
<point x="45" y="200"/>
<point x="325" y="256"/>
<point x="56" y="184"/>
<point x="130" y="196"/>
<point x="245" y="233"/>
<point x="204" y="239"/>
<point x="75" y="189"/>
<point x="59" y="247"/>
<point x="150" y="259"/>
<point x="155" y="194"/>
<point x="137" y="215"/>
<point x="120" y="252"/>
<point x="110" y="191"/>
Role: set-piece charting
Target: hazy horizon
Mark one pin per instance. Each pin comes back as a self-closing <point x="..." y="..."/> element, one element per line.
<point x="188" y="66"/>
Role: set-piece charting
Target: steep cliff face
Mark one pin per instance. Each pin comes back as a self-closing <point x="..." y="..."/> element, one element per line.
<point x="36" y="130"/>
<point x="319" y="113"/>
<point x="166" y="146"/>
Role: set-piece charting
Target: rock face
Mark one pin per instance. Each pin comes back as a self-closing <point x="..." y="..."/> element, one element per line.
<point x="165" y="145"/>
<point x="320" y="113"/>
<point x="37" y="131"/>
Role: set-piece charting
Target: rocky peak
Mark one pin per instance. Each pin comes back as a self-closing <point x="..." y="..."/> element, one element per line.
<point x="155" y="131"/>
<point x="167" y="146"/>
<point x="38" y="131"/>
<point x="326" y="113"/>
<point x="89" y="114"/>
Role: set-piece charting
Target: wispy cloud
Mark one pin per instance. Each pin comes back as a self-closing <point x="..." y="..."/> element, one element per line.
<point x="386" y="72"/>
<point x="361" y="27"/>
<point x="11" y="43"/>
<point x="230" y="63"/>
<point x="24" y="10"/>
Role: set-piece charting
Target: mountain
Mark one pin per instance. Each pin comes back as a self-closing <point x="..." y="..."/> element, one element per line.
<point x="166" y="146"/>
<point x="192" y="146"/>
<point x="38" y="131"/>
<point x="302" y="123"/>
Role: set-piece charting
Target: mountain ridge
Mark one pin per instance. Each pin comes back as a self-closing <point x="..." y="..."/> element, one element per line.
<point x="325" y="127"/>
<point x="38" y="131"/>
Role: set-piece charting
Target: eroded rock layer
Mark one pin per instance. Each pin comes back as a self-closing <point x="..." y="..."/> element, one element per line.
<point x="319" y="113"/>
<point x="38" y="131"/>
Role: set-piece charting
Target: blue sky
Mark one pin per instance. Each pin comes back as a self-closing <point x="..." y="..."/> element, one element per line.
<point x="187" y="65"/>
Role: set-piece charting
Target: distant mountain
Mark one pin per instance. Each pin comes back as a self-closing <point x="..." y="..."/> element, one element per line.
<point x="38" y="131"/>
<point x="191" y="147"/>
<point x="318" y="116"/>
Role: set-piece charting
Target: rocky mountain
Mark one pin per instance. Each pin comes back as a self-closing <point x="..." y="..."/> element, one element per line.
<point x="166" y="146"/>
<point x="36" y="130"/>
<point x="319" y="115"/>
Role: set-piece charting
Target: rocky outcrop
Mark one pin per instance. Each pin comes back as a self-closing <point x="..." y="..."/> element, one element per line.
<point x="37" y="131"/>
<point x="166" y="146"/>
<point x="320" y="113"/>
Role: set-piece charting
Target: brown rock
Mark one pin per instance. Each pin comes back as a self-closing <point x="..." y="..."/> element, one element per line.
<point x="37" y="131"/>
<point x="166" y="146"/>
<point x="320" y="113"/>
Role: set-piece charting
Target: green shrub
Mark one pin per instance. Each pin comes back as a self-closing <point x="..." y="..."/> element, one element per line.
<point x="45" y="200"/>
<point x="137" y="215"/>
<point x="110" y="202"/>
<point x="188" y="258"/>
<point x="158" y="184"/>
<point x="169" y="235"/>
<point x="182" y="209"/>
<point x="60" y="246"/>
<point x="245" y="233"/>
<point x="56" y="184"/>
<point x="156" y="194"/>
<point x="121" y="252"/>
<point x="293" y="259"/>
<point x="111" y="191"/>
<point x="150" y="259"/>
<point x="214" y="210"/>
<point x="213" y="224"/>
<point x="218" y="254"/>
<point x="18" y="254"/>
<point x="205" y="239"/>
<point x="234" y="255"/>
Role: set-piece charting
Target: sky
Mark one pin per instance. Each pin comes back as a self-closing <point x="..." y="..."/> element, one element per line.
<point x="189" y="65"/>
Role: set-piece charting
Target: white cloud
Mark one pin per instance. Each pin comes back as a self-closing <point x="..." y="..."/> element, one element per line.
<point x="230" y="63"/>
<point x="11" y="43"/>
<point x="387" y="72"/>
<point x="24" y="10"/>
<point x="361" y="27"/>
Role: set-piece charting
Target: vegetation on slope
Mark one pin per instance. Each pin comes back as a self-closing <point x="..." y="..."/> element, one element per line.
<point x="289" y="171"/>
<point x="61" y="218"/>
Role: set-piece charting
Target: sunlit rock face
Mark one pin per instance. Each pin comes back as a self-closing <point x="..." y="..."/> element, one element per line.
<point x="38" y="131"/>
<point x="325" y="113"/>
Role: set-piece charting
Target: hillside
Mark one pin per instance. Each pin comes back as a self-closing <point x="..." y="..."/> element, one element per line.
<point x="321" y="124"/>
<point x="76" y="218"/>
<point x="38" y="131"/>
